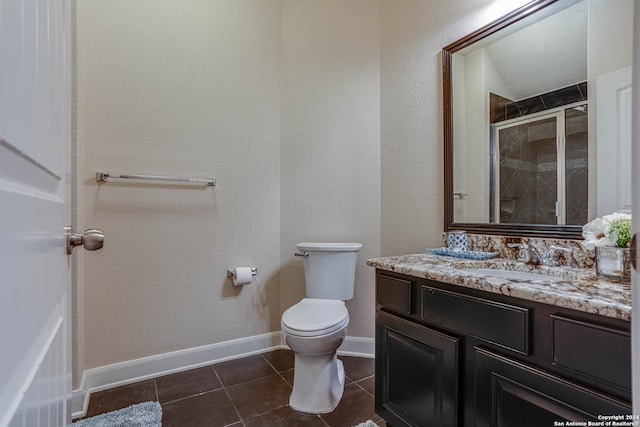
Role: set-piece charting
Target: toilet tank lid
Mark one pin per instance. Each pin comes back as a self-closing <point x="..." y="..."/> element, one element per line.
<point x="329" y="247"/>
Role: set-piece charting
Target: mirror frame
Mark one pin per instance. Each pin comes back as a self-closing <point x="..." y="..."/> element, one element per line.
<point x="530" y="230"/>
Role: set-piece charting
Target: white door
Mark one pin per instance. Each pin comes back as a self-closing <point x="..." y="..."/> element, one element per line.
<point x="35" y="367"/>
<point x="635" y="197"/>
<point x="614" y="141"/>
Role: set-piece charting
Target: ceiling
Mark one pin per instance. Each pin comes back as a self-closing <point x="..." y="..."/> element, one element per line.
<point x="547" y="55"/>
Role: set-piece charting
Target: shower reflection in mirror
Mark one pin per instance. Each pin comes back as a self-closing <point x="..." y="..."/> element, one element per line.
<point x="539" y="166"/>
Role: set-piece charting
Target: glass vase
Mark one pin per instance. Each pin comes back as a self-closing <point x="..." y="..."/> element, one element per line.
<point x="613" y="262"/>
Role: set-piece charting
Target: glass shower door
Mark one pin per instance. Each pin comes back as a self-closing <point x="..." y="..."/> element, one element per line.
<point x="577" y="165"/>
<point x="540" y="168"/>
<point x="526" y="173"/>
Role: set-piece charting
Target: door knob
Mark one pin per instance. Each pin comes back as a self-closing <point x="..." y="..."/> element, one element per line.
<point x="92" y="239"/>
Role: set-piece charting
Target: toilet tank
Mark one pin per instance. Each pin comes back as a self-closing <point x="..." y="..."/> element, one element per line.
<point x="329" y="269"/>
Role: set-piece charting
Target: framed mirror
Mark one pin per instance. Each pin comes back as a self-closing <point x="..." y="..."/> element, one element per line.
<point x="532" y="141"/>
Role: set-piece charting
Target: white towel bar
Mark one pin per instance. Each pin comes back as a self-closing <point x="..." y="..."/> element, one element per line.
<point x="105" y="176"/>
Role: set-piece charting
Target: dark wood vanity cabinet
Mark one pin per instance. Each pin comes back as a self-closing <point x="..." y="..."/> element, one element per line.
<point x="452" y="356"/>
<point x="412" y="355"/>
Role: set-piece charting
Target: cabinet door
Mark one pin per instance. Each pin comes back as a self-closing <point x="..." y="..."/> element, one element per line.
<point x="416" y="374"/>
<point x="509" y="393"/>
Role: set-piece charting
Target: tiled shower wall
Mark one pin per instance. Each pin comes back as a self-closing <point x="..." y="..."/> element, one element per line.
<point x="502" y="108"/>
<point x="528" y="160"/>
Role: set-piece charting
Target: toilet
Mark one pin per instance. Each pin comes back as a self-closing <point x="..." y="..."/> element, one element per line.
<point x="315" y="327"/>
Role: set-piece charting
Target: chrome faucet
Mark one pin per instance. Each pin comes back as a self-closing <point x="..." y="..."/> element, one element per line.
<point x="551" y="257"/>
<point x="530" y="255"/>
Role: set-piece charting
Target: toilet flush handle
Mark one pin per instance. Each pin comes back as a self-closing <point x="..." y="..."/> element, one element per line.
<point x="304" y="254"/>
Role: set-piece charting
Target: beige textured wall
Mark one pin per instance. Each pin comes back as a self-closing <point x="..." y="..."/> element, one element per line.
<point x="196" y="88"/>
<point x="413" y="32"/>
<point x="321" y="120"/>
<point x="330" y="177"/>
<point x="180" y="88"/>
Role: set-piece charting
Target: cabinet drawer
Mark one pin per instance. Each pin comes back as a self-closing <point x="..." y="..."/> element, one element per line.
<point x="394" y="294"/>
<point x="502" y="324"/>
<point x="596" y="351"/>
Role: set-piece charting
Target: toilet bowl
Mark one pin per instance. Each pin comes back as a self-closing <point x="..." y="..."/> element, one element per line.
<point x="314" y="329"/>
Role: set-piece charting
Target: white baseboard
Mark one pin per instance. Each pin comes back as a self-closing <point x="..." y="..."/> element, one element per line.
<point x="131" y="371"/>
<point x="358" y="346"/>
<point x="123" y="373"/>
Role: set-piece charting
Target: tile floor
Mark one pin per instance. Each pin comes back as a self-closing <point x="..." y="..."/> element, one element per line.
<point x="248" y="392"/>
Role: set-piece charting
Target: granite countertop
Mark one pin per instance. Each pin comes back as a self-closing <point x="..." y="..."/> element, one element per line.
<point x="574" y="288"/>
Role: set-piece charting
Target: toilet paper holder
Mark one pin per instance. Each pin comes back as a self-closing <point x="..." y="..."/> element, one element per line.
<point x="254" y="271"/>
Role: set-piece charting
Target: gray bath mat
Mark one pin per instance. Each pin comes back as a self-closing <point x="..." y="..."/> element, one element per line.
<point x="145" y="414"/>
<point x="367" y="423"/>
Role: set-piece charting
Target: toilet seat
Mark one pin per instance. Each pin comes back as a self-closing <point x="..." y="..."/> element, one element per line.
<point x="313" y="317"/>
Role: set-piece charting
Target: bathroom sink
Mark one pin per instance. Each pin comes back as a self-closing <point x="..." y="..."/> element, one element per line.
<point x="510" y="269"/>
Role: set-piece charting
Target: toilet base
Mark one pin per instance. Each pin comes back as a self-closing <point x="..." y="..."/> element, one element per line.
<point x="318" y="383"/>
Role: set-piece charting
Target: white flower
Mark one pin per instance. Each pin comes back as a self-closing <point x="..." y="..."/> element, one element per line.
<point x="596" y="232"/>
